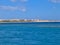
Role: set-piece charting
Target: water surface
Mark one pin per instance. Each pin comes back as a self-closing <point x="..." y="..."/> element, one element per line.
<point x="30" y="33"/>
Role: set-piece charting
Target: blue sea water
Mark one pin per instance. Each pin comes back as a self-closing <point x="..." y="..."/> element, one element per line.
<point x="47" y="33"/>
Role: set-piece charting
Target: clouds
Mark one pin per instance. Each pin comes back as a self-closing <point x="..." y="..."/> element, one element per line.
<point x="55" y="1"/>
<point x="12" y="8"/>
<point x="24" y="0"/>
<point x="16" y="8"/>
<point x="13" y="0"/>
<point x="19" y="0"/>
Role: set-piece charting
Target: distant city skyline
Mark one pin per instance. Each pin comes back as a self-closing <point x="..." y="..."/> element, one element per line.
<point x="30" y="9"/>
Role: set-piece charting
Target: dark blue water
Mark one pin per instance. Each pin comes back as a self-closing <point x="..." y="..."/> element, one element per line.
<point x="30" y="33"/>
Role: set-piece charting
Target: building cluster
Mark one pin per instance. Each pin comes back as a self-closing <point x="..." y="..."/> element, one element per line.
<point x="27" y="20"/>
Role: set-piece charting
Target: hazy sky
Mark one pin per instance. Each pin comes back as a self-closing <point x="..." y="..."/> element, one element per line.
<point x="30" y="9"/>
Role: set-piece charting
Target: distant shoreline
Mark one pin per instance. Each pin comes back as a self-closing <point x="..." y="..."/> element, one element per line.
<point x="26" y="20"/>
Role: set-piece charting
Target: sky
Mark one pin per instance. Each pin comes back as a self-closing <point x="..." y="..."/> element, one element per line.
<point x="30" y="9"/>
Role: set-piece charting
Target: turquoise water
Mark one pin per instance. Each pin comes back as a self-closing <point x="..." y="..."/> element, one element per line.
<point x="30" y="34"/>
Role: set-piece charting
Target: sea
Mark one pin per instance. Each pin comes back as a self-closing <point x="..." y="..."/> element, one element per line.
<point x="30" y="33"/>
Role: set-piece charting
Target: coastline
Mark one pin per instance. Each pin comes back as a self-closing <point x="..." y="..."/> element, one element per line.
<point x="25" y="20"/>
<point x="29" y="22"/>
